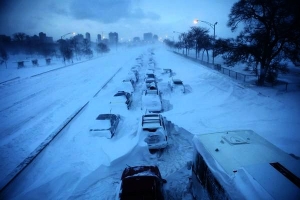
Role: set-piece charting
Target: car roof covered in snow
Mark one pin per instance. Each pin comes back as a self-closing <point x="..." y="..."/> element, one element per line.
<point x="151" y="121"/>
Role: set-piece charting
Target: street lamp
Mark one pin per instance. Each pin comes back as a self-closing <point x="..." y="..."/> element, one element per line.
<point x="67" y="34"/>
<point x="213" y="26"/>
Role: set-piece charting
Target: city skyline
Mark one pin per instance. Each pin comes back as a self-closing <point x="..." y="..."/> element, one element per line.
<point x="126" y="17"/>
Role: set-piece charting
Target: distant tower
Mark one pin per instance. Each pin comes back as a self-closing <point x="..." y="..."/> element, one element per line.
<point x="99" y="38"/>
<point x="88" y="36"/>
<point x="113" y="37"/>
<point x="42" y="37"/>
<point x="148" y="37"/>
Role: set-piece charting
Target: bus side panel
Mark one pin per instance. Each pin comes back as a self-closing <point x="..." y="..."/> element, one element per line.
<point x="205" y="185"/>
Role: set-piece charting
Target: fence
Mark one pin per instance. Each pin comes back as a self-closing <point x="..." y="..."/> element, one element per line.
<point x="218" y="67"/>
<point x="242" y="76"/>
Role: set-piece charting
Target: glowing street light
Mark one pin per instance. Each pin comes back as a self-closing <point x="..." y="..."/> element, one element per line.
<point x="213" y="26"/>
<point x="67" y="34"/>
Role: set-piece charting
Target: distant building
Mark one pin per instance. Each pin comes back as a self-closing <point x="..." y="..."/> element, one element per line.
<point x="88" y="36"/>
<point x="113" y="37"/>
<point x="105" y="41"/>
<point x="44" y="38"/>
<point x="148" y="37"/>
<point x="155" y="37"/>
<point x="79" y="37"/>
<point x="35" y="38"/>
<point x="99" y="38"/>
<point x="136" y="39"/>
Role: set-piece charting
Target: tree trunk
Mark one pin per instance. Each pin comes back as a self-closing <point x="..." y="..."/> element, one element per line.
<point x="261" y="78"/>
<point x="262" y="75"/>
<point x="207" y="56"/>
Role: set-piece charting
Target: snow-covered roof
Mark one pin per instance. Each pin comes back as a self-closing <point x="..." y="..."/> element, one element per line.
<point x="234" y="149"/>
<point x="151" y="121"/>
<point x="232" y="153"/>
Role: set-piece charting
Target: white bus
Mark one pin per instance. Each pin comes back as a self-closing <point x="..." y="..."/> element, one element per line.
<point x="242" y="165"/>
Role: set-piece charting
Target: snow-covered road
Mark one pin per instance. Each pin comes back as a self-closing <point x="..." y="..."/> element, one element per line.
<point x="78" y="165"/>
<point x="32" y="108"/>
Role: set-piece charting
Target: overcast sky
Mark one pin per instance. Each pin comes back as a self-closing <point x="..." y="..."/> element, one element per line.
<point x="129" y="18"/>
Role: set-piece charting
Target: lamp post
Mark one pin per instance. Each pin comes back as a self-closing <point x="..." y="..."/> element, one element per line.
<point x="67" y="34"/>
<point x="213" y="26"/>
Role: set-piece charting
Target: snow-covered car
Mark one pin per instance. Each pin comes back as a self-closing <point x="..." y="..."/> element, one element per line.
<point x="151" y="100"/>
<point x="135" y="74"/>
<point x="168" y="71"/>
<point x="122" y="98"/>
<point x="141" y="182"/>
<point x="105" y="125"/>
<point x="150" y="77"/>
<point x="127" y="86"/>
<point x="149" y="81"/>
<point x="176" y="84"/>
<point x="151" y="64"/>
<point x="154" y="130"/>
<point x="150" y="84"/>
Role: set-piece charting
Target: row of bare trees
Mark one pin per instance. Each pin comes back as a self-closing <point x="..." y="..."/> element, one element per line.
<point x="196" y="38"/>
<point x="21" y="43"/>
<point x="75" y="47"/>
<point x="269" y="40"/>
<point x="78" y="47"/>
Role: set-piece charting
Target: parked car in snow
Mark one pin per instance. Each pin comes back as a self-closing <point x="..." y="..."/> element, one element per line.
<point x="141" y="182"/>
<point x="176" y="84"/>
<point x="105" y="125"/>
<point x="150" y="84"/>
<point x="154" y="130"/>
<point x="151" y="64"/>
<point x="127" y="85"/>
<point x="151" y="100"/>
<point x="167" y="71"/>
<point x="134" y="74"/>
<point x="150" y="76"/>
<point x="122" y="98"/>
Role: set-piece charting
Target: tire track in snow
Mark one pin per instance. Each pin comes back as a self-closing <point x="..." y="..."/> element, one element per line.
<point x="28" y="98"/>
<point x="9" y="133"/>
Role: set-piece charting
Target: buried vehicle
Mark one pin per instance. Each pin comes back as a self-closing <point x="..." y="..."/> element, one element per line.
<point x="240" y="164"/>
<point x="122" y="98"/>
<point x="176" y="84"/>
<point x="151" y="101"/>
<point x="141" y="182"/>
<point x="154" y="131"/>
<point x="105" y="125"/>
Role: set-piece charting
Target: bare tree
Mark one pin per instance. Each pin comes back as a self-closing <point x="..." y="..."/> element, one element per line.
<point x="271" y="33"/>
<point x="102" y="48"/>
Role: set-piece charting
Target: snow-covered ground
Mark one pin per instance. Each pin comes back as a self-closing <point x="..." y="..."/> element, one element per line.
<point x="79" y="165"/>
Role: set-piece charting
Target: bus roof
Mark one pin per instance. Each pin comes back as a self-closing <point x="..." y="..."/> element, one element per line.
<point x="243" y="150"/>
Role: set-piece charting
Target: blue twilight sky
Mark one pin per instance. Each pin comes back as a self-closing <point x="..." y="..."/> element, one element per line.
<point x="129" y="18"/>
